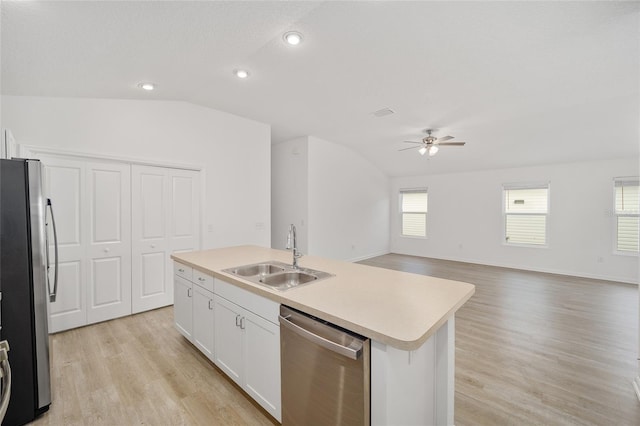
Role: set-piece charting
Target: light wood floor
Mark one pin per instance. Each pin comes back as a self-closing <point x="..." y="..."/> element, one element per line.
<point x="531" y="349"/>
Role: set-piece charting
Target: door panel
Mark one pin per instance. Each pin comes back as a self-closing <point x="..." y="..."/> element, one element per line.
<point x="109" y="247"/>
<point x="185" y="210"/>
<point x="152" y="268"/>
<point x="64" y="184"/>
<point x="153" y="276"/>
<point x="105" y="280"/>
<point x="106" y="205"/>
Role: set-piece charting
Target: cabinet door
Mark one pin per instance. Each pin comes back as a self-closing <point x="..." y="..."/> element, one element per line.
<point x="262" y="362"/>
<point x="203" y="318"/>
<point x="64" y="184"/>
<point x="108" y="240"/>
<point x="183" y="306"/>
<point x="228" y="334"/>
<point x="151" y="266"/>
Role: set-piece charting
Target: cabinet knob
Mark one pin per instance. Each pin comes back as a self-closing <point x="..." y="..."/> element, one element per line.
<point x="106" y="250"/>
<point x="153" y="246"/>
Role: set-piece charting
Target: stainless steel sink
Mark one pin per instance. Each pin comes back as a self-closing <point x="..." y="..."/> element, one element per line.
<point x="277" y="275"/>
<point x="261" y="269"/>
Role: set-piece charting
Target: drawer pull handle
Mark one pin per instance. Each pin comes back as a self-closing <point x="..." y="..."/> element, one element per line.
<point x="201" y="279"/>
<point x="238" y="320"/>
<point x="242" y="323"/>
<point x="180" y="270"/>
<point x="189" y="292"/>
<point x="210" y="304"/>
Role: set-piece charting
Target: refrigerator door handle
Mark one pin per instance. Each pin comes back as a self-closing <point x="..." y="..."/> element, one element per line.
<point x="52" y="294"/>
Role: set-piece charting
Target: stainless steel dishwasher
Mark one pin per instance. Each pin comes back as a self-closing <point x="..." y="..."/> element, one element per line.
<point x="325" y="372"/>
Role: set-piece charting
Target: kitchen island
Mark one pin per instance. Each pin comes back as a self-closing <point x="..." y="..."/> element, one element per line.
<point x="408" y="317"/>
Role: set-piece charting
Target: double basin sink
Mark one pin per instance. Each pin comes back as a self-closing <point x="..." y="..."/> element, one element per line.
<point x="277" y="275"/>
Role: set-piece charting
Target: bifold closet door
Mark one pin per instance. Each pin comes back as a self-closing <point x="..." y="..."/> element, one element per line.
<point x="92" y="207"/>
<point x="109" y="240"/>
<point x="166" y="219"/>
<point x="64" y="184"/>
<point x="151" y="271"/>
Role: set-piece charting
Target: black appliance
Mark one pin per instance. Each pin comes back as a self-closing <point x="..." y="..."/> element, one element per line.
<point x="24" y="286"/>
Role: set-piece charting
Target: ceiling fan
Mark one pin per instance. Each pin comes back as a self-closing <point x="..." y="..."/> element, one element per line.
<point x="431" y="144"/>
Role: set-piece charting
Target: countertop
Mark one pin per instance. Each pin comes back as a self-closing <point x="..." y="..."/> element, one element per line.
<point x="399" y="309"/>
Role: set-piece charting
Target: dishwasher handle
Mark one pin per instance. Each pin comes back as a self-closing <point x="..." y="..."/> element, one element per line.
<point x="349" y="352"/>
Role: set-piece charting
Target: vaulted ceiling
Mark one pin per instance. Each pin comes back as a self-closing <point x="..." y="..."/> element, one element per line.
<point x="523" y="83"/>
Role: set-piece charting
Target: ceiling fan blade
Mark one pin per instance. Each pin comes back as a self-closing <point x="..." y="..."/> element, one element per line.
<point x="452" y="143"/>
<point x="445" y="138"/>
<point x="411" y="147"/>
<point x="411" y="142"/>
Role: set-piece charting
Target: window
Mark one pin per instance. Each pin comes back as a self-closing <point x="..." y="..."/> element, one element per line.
<point x="627" y="207"/>
<point x="525" y="214"/>
<point x="413" y="207"/>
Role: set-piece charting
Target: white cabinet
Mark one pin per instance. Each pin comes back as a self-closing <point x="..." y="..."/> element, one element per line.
<point x="228" y="334"/>
<point x="248" y="348"/>
<point x="203" y="320"/>
<point x="262" y="362"/>
<point x="183" y="306"/>
<point x="236" y="329"/>
<point x="194" y="307"/>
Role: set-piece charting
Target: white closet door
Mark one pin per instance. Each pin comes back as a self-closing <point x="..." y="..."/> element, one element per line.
<point x="151" y="284"/>
<point x="64" y="184"/>
<point x="184" y="229"/>
<point x="109" y="240"/>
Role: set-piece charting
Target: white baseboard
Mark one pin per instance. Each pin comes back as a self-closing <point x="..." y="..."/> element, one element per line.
<point x="520" y="267"/>
<point x="636" y="386"/>
<point x="368" y="256"/>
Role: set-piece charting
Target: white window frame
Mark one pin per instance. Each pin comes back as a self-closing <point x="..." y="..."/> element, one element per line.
<point x="401" y="212"/>
<point x="615" y="216"/>
<point x="533" y="185"/>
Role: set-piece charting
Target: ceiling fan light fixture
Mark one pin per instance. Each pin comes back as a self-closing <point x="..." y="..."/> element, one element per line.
<point x="433" y="150"/>
<point x="423" y="150"/>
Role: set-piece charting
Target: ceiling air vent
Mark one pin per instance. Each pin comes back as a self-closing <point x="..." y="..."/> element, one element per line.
<point x="382" y="112"/>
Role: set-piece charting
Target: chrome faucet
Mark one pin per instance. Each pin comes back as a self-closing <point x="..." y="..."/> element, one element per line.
<point x="292" y="237"/>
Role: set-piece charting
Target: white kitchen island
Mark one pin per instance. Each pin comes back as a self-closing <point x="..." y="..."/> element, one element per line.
<point x="408" y="317"/>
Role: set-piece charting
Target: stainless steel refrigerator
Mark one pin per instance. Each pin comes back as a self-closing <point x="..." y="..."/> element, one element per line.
<point x="24" y="286"/>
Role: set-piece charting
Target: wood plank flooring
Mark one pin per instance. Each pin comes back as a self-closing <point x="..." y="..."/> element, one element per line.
<point x="539" y="349"/>
<point x="531" y="349"/>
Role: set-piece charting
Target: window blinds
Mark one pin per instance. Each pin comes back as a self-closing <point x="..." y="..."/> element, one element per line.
<point x="627" y="209"/>
<point x="526" y="209"/>
<point x="414" y="212"/>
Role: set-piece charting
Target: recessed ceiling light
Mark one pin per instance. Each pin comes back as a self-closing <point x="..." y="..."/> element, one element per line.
<point x="147" y="86"/>
<point x="293" y="38"/>
<point x="241" y="73"/>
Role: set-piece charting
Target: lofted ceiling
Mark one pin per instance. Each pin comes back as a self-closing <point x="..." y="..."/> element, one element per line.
<point x="523" y="83"/>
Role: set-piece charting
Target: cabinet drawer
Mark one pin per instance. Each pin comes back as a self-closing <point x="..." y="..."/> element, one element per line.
<point x="203" y="280"/>
<point x="183" y="271"/>
<point x="259" y="305"/>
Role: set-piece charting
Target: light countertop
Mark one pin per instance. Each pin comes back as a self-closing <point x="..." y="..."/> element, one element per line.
<point x="399" y="309"/>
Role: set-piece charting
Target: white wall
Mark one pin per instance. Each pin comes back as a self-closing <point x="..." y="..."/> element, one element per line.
<point x="348" y="203"/>
<point x="289" y="192"/>
<point x="465" y="221"/>
<point x="233" y="151"/>
<point x="338" y="201"/>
